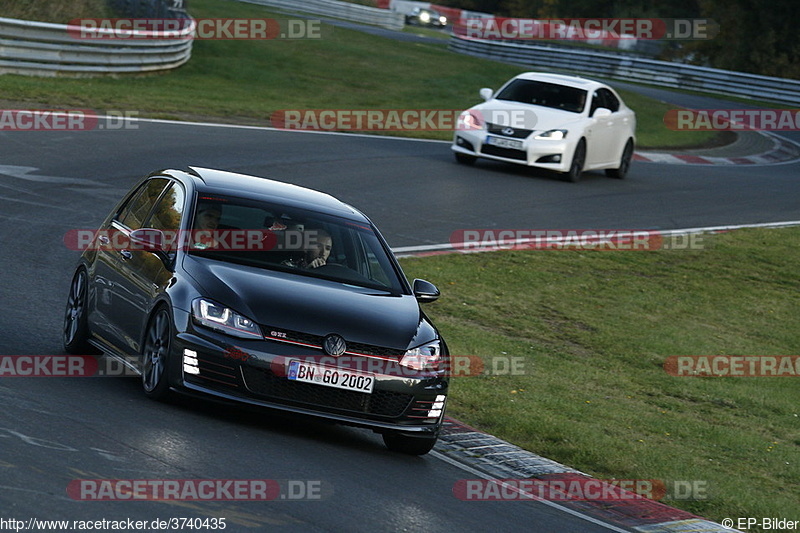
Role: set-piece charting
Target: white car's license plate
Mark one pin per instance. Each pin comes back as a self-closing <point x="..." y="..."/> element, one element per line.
<point x="340" y="378"/>
<point x="504" y="143"/>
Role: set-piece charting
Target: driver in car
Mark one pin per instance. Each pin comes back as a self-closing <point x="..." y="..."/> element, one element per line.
<point x="316" y="254"/>
<point x="205" y="225"/>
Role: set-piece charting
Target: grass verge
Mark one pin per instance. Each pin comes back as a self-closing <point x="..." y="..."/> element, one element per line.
<point x="246" y="81"/>
<point x="55" y="11"/>
<point x="593" y="330"/>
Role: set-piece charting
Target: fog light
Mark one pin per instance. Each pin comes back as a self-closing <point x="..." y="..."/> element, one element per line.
<point x="190" y="364"/>
<point x="555" y="158"/>
<point x="463" y="143"/>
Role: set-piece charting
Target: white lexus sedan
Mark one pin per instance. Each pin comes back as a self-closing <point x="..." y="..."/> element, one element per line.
<point x="562" y="123"/>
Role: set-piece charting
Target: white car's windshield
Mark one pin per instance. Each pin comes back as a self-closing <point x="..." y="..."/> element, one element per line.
<point x="544" y="94"/>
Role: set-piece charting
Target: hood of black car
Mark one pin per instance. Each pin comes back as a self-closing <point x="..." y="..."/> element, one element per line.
<point x="288" y="301"/>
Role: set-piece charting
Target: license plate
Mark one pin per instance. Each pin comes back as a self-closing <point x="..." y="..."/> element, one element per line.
<point x="328" y="376"/>
<point x="504" y="143"/>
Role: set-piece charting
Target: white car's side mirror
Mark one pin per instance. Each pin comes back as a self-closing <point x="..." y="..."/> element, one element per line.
<point x="486" y="93"/>
<point x="601" y="112"/>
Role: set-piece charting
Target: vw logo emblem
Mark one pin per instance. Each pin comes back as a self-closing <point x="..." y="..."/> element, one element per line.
<point x="507" y="131"/>
<point x="334" y="345"/>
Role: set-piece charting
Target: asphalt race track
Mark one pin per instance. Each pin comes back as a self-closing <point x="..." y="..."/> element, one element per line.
<point x="54" y="430"/>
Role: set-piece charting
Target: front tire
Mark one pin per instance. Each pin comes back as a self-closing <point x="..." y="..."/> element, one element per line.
<point x="156" y="356"/>
<point x="76" y="327"/>
<point x="578" y="160"/>
<point x="624" y="162"/>
<point x="402" y="443"/>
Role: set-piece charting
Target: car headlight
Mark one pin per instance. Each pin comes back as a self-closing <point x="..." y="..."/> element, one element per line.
<point x="425" y="357"/>
<point x="469" y="121"/>
<point x="214" y="316"/>
<point x="442" y="20"/>
<point x="424" y="17"/>
<point x="552" y="135"/>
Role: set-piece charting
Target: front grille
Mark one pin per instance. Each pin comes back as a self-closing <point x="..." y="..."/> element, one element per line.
<point x="518" y="133"/>
<point x="263" y="382"/>
<point x="315" y="341"/>
<point x="508" y="153"/>
<point x="369" y="349"/>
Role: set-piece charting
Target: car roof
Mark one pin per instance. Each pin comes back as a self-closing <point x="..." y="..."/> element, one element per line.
<point x="562" y="79"/>
<point x="220" y="182"/>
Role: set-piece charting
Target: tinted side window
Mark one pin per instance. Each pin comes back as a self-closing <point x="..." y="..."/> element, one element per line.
<point x="168" y="213"/>
<point x="609" y="100"/>
<point x="139" y="206"/>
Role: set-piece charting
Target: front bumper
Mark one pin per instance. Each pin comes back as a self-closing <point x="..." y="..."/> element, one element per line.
<point x="255" y="372"/>
<point x="548" y="154"/>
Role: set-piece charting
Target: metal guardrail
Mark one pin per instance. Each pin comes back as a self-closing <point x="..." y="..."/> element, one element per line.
<point x="635" y="69"/>
<point x="341" y="10"/>
<point x="45" y="49"/>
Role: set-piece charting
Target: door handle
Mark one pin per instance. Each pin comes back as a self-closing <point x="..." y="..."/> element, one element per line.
<point x="125" y="254"/>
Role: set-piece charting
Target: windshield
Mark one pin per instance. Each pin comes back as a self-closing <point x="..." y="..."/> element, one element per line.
<point x="544" y="94"/>
<point x="276" y="237"/>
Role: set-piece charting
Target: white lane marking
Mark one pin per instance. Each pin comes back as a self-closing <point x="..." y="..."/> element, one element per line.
<point x="24" y="173"/>
<point x="554" y="505"/>
<point x="672" y="160"/>
<point x="269" y="128"/>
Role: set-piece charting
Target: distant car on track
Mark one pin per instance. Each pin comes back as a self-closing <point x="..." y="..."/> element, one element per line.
<point x="421" y="16"/>
<point x="265" y="293"/>
<point x="562" y="123"/>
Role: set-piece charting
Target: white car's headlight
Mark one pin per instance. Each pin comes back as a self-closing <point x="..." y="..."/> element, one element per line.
<point x="425" y="357"/>
<point x="424" y="17"/>
<point x="469" y="121"/>
<point x="214" y="316"/>
<point x="552" y="135"/>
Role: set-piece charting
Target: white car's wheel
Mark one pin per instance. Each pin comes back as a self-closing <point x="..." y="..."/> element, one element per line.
<point x="578" y="160"/>
<point x="624" y="162"/>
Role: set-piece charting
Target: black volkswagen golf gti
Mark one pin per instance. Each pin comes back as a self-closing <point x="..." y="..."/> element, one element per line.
<point x="266" y="293"/>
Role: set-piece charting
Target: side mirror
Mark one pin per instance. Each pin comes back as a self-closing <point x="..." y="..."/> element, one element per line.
<point x="601" y="112"/>
<point x="425" y="291"/>
<point x="486" y="93"/>
<point x="148" y="239"/>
